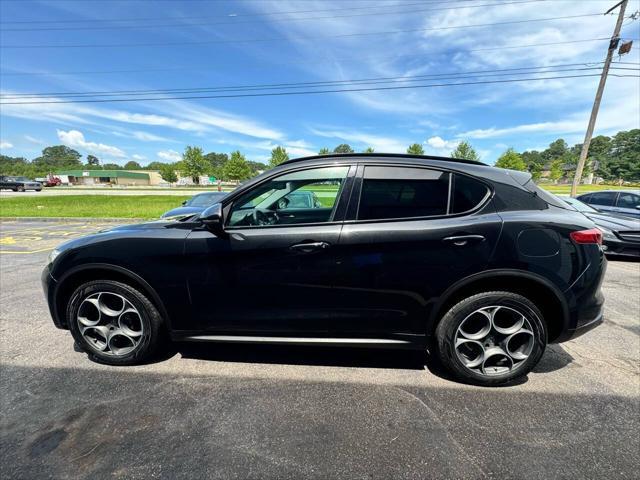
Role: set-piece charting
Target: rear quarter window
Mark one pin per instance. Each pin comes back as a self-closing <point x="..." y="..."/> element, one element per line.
<point x="467" y="193"/>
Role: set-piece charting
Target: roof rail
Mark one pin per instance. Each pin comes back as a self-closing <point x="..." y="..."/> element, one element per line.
<point x="384" y="155"/>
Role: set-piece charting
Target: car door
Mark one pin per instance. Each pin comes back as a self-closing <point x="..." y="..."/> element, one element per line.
<point x="406" y="239"/>
<point x="605" y="201"/>
<point x="628" y="203"/>
<point x="271" y="273"/>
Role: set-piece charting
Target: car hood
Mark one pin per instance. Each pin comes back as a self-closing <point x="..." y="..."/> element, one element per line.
<point x="180" y="211"/>
<point x="122" y="230"/>
<point x="614" y="222"/>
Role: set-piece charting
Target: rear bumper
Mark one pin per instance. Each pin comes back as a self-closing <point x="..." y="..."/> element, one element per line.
<point x="581" y="329"/>
<point x="586" y="302"/>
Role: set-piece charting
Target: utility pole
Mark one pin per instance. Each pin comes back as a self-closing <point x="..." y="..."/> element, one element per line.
<point x="596" y="103"/>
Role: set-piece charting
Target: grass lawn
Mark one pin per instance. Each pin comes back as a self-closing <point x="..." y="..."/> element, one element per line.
<point x="100" y="206"/>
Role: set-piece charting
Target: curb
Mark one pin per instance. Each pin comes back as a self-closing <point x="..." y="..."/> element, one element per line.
<point x="73" y="219"/>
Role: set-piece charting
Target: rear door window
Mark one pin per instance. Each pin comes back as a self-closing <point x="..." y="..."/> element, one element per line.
<point x="403" y="192"/>
<point x="606" y="199"/>
<point x="628" y="200"/>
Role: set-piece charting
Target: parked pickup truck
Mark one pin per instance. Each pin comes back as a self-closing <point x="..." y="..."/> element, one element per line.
<point x="19" y="184"/>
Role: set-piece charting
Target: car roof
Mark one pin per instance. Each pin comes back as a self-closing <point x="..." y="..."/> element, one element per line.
<point x="387" y="156"/>
<point x="470" y="167"/>
<point x="637" y="192"/>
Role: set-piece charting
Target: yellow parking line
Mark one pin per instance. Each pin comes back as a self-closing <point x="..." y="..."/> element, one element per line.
<point x="31" y="251"/>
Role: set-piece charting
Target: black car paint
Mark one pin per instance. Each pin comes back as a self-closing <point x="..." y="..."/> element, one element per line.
<point x="9" y="182"/>
<point x="378" y="278"/>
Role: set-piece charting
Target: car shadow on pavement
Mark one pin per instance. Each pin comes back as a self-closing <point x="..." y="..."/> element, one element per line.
<point x="304" y="355"/>
<point x="555" y="357"/>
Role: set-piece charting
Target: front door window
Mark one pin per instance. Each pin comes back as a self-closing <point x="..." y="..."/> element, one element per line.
<point x="306" y="196"/>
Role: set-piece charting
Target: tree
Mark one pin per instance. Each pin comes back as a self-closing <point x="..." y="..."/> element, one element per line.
<point x="512" y="160"/>
<point x="557" y="149"/>
<point x="112" y="166"/>
<point x="343" y="148"/>
<point x="193" y="163"/>
<point x="216" y="162"/>
<point x="168" y="174"/>
<point x="465" y="151"/>
<point x="415" y="149"/>
<point x="93" y="161"/>
<point x="555" y="172"/>
<point x="236" y="168"/>
<point x="132" y="165"/>
<point x="55" y="158"/>
<point x="256" y="167"/>
<point x="324" y="151"/>
<point x="368" y="150"/>
<point x="278" y="155"/>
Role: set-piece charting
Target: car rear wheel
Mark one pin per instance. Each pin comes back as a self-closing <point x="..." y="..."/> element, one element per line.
<point x="115" y="323"/>
<point x="491" y="338"/>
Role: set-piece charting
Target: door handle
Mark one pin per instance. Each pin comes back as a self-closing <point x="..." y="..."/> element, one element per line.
<point x="309" y="247"/>
<point x="462" y="240"/>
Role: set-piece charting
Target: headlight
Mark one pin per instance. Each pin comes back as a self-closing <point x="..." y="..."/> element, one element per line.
<point x="606" y="233"/>
<point x="52" y="255"/>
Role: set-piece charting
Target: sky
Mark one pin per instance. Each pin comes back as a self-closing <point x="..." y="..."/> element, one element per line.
<point x="117" y="45"/>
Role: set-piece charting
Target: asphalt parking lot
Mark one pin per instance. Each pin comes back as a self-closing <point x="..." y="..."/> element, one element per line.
<point x="285" y="412"/>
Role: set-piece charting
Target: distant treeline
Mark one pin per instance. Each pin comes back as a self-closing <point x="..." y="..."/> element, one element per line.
<point x="615" y="158"/>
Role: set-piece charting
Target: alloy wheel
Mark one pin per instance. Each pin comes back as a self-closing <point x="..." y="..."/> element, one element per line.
<point x="110" y="323"/>
<point x="494" y="340"/>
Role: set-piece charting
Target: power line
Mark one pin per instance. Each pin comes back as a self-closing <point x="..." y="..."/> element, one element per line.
<point x="279" y="39"/>
<point x="377" y="58"/>
<point x="280" y="20"/>
<point x="503" y="71"/>
<point x="261" y="14"/>
<point x="311" y="92"/>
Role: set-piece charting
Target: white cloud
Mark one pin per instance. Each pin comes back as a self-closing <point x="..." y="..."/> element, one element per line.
<point x="138" y="157"/>
<point x="379" y="143"/>
<point x="5" y="145"/>
<point x="33" y="140"/>
<point x="170" y="155"/>
<point x="440" y="144"/>
<point x="75" y="138"/>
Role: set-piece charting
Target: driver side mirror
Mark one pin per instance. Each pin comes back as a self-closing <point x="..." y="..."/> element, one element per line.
<point x="212" y="218"/>
<point x="184" y="203"/>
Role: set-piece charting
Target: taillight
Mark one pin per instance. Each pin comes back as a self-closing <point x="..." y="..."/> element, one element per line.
<point x="593" y="235"/>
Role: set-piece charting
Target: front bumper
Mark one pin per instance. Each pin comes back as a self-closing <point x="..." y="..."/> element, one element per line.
<point x="621" y="248"/>
<point x="49" y="285"/>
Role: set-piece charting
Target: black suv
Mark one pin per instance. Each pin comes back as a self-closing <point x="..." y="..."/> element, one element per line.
<point x="475" y="264"/>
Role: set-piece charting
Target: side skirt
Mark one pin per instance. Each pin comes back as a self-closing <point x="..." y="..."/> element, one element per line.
<point x="324" y="341"/>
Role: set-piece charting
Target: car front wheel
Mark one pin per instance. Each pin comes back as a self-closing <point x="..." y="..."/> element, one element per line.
<point x="491" y="338"/>
<point x="115" y="323"/>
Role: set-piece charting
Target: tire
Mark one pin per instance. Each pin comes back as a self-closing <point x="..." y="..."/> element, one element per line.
<point x="123" y="337"/>
<point x="38" y="189"/>
<point x="486" y="356"/>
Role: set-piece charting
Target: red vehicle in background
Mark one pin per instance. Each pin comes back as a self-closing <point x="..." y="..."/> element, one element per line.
<point x="50" y="181"/>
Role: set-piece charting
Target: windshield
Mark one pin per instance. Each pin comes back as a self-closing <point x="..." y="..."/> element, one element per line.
<point x="205" y="199"/>
<point x="578" y="205"/>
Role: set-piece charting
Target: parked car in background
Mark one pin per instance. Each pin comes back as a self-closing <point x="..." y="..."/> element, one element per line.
<point x="473" y="263"/>
<point x="626" y="202"/>
<point x="195" y="204"/>
<point x="620" y="233"/>
<point x="19" y="184"/>
<point x="49" y="181"/>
